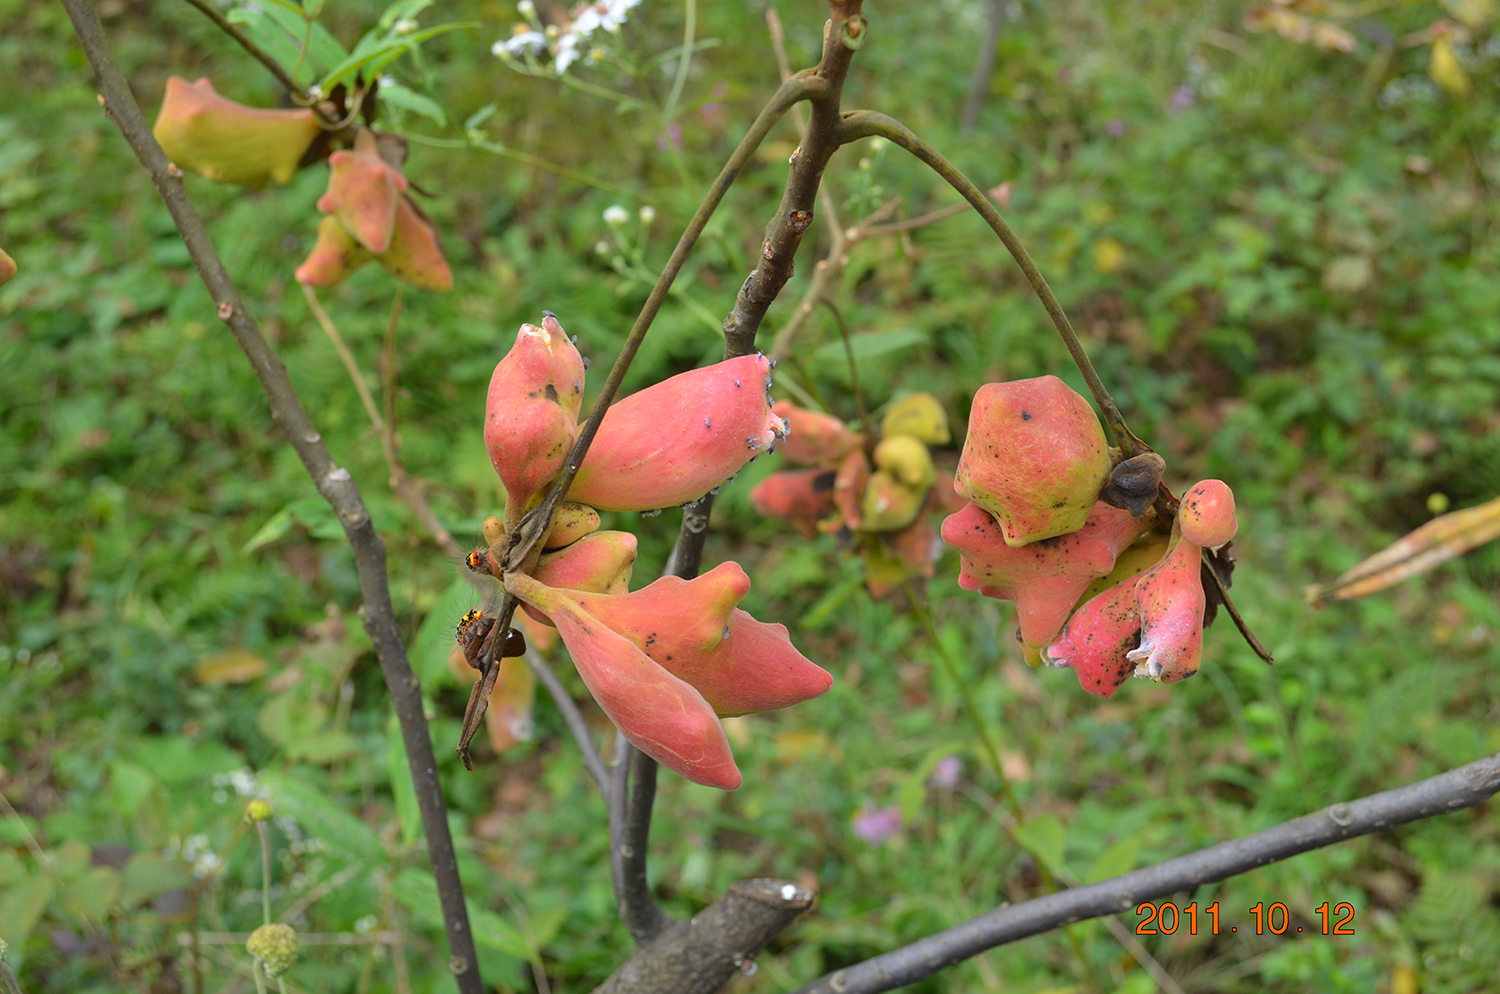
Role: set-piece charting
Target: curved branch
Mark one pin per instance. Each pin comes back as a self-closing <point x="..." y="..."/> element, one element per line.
<point x="333" y="482"/>
<point x="225" y="25"/>
<point x="866" y="123"/>
<point x="1452" y="791"/>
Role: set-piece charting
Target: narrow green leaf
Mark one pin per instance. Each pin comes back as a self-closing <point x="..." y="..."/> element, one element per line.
<point x="408" y="99"/>
<point x="1117" y="859"/>
<point x="1044" y="838"/>
<point x="397" y="766"/>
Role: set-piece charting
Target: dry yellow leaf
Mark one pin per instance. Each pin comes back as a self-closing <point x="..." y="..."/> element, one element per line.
<point x="230" y="666"/>
<point x="1436" y="542"/>
<point x="1446" y="70"/>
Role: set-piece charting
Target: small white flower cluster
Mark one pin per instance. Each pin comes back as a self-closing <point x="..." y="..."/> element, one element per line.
<point x="195" y="852"/>
<point x="244" y="782"/>
<point x="563" y="41"/>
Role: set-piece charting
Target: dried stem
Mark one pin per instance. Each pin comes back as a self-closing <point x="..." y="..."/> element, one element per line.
<point x="865" y="123"/>
<point x="1460" y="788"/>
<point x="332" y="481"/>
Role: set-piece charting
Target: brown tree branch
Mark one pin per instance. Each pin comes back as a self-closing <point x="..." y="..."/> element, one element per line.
<point x="844" y="33"/>
<point x="1455" y="790"/>
<point x="332" y="481"/>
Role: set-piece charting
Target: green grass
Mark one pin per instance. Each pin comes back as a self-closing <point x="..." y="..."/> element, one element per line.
<point x="138" y="460"/>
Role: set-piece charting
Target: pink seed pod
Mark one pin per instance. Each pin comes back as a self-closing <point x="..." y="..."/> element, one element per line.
<point x="415" y="255"/>
<point x="363" y="190"/>
<point x="1044" y="578"/>
<point x="692" y="629"/>
<point x="1206" y="515"/>
<point x="531" y="412"/>
<point x="335" y="255"/>
<point x="599" y="563"/>
<point x="675" y="441"/>
<point x="1096" y="641"/>
<point x="801" y="496"/>
<point x="658" y="713"/>
<point x="813" y="439"/>
<point x="7" y="267"/>
<point x="227" y="142"/>
<point x="849" y="487"/>
<point x="1170" y="598"/>
<point x="1035" y="458"/>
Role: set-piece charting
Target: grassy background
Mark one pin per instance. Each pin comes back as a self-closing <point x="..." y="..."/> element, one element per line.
<point x="1283" y="260"/>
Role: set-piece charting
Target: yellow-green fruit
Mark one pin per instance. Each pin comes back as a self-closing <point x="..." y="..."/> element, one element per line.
<point x="917" y="414"/>
<point x="228" y="142"/>
<point x="258" y="810"/>
<point x="889" y="505"/>
<point x="907" y="459"/>
<point x="275" y="945"/>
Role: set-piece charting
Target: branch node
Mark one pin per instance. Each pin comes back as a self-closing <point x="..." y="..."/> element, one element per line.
<point x="225" y="311"/>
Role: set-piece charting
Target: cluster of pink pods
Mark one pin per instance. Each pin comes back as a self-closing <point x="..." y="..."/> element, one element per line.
<point x="1096" y="589"/>
<point x="667" y="661"/>
<point x="367" y="211"/>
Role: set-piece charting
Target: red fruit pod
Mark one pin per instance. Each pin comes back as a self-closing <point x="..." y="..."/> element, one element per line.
<point x="1034" y="458"/>
<point x="227" y="142"/>
<point x="658" y="713"/>
<point x="673" y="442"/>
<point x="600" y="563"/>
<point x="1206" y="514"/>
<point x="813" y="439"/>
<point x="7" y="267"/>
<point x="1097" y="640"/>
<point x="415" y="255"/>
<point x="531" y="411"/>
<point x="335" y="255"/>
<point x="849" y="487"/>
<point x="1171" y="601"/>
<point x="802" y="496"/>
<point x="1044" y="578"/>
<point x="363" y="191"/>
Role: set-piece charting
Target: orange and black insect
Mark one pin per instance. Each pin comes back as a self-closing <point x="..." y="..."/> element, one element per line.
<point x="476" y="633"/>
<point x="480" y="561"/>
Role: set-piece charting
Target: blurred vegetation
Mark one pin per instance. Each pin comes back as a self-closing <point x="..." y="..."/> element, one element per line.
<point x="1282" y="256"/>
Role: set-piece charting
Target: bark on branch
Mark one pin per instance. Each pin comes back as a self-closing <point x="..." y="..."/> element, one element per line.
<point x="699" y="956"/>
<point x="1455" y="790"/>
<point x="332" y="481"/>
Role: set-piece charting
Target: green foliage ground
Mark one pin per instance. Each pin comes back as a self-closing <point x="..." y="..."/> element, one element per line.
<point x="1289" y="277"/>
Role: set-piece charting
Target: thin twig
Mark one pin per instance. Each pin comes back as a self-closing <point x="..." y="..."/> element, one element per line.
<point x="332" y="481"/>
<point x="408" y="490"/>
<point x="913" y="223"/>
<point x="1459" y="788"/>
<point x="31" y="842"/>
<point x="984" y="65"/>
<point x="1234" y="614"/>
<point x="642" y="915"/>
<point x="865" y="123"/>
<point x="208" y="10"/>
<point x="8" y="984"/>
<point x="572" y="717"/>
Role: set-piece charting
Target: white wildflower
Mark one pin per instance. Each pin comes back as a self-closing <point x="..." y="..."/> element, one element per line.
<point x="648" y="214"/>
<point x="526" y="8"/>
<point x="615" y="215"/>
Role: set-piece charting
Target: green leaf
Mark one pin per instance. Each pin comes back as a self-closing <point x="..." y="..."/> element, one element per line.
<point x="92" y="895"/>
<point x="480" y="116"/>
<point x="868" y="346"/>
<point x="149" y="874"/>
<point x="322" y="50"/>
<point x="408" y="99"/>
<point x="435" y="639"/>
<point x="399" y="769"/>
<point x="267" y="34"/>
<point x="312" y="513"/>
<point x="178" y="759"/>
<point x="401" y="10"/>
<point x="1117" y="859"/>
<point x="373" y="54"/>
<point x="129" y="783"/>
<point x="22" y="905"/>
<point x="1044" y="838"/>
<point x="313" y="7"/>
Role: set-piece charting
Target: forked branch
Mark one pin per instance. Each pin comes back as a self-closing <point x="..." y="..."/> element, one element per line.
<point x="333" y="482"/>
